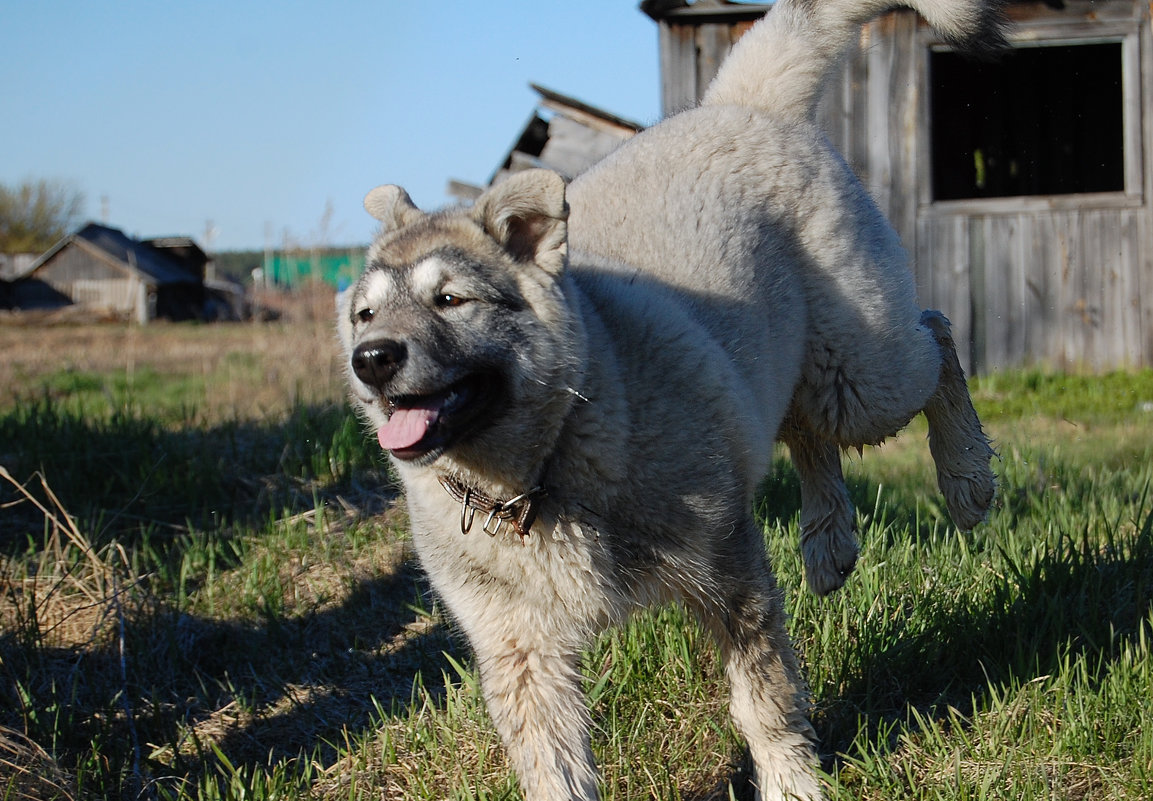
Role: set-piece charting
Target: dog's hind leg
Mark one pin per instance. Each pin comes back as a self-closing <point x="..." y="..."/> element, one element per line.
<point x="534" y="697"/>
<point x="769" y="702"/>
<point x="958" y="444"/>
<point x="828" y="524"/>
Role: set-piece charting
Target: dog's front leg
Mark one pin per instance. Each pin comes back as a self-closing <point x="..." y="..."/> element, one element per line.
<point x="535" y="700"/>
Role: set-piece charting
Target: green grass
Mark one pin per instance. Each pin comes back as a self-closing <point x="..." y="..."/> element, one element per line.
<point x="1106" y="398"/>
<point x="202" y="603"/>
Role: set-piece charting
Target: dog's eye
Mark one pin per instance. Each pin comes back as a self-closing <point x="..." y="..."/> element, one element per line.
<point x="448" y="301"/>
<point x="365" y="315"/>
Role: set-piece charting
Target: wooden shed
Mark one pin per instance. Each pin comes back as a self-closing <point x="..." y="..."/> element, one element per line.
<point x="1019" y="186"/>
<point x="102" y="271"/>
<point x="562" y="134"/>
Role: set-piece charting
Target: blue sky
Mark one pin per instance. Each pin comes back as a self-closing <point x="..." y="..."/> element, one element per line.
<point x="257" y="115"/>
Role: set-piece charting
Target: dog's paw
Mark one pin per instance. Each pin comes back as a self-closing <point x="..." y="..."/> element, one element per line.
<point x="964" y="474"/>
<point x="959" y="446"/>
<point x="829" y="551"/>
<point x="969" y="495"/>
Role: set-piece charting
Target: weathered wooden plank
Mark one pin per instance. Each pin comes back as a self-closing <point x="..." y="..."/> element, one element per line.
<point x="1061" y="289"/>
<point x="78" y="260"/>
<point x="1145" y="290"/>
<point x="1104" y="256"/>
<point x="1072" y="303"/>
<point x="904" y="75"/>
<point x="978" y="295"/>
<point x="678" y="67"/>
<point x="941" y="269"/>
<point x="117" y="295"/>
<point x="856" y="108"/>
<point x="885" y="153"/>
<point x="1004" y="292"/>
<point x="1041" y="266"/>
<point x="1118" y="267"/>
<point x="572" y="146"/>
<point x="1124" y="297"/>
<point x="1000" y="319"/>
<point x="714" y="40"/>
<point x="1074" y="16"/>
<point x="1143" y="286"/>
<point x="1093" y="231"/>
<point x="1131" y="87"/>
<point x="1143" y="245"/>
<point x="841" y="110"/>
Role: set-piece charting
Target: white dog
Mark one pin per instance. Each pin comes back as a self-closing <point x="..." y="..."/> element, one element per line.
<point x="717" y="200"/>
<point x="580" y="437"/>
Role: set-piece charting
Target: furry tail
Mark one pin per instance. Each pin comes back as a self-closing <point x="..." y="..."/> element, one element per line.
<point x="782" y="63"/>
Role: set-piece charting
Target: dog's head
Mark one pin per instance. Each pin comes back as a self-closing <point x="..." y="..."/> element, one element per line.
<point x="458" y="337"/>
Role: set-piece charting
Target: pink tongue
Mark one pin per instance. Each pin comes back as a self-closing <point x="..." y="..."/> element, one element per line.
<point x="406" y="427"/>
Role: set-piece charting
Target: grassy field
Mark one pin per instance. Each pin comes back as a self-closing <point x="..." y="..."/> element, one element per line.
<point x="206" y="592"/>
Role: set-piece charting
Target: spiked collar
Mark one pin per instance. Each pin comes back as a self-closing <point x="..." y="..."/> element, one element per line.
<point x="518" y="512"/>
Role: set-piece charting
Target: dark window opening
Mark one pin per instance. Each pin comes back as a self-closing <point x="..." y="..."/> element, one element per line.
<point x="1040" y="121"/>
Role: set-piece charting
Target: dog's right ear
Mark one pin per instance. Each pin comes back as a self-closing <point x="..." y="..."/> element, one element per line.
<point x="528" y="215"/>
<point x="392" y="206"/>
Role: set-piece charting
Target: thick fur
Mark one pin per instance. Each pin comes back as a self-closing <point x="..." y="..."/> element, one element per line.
<point x="741" y="279"/>
<point x="727" y="199"/>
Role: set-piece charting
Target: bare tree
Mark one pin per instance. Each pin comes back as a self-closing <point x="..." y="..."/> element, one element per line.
<point x="35" y="214"/>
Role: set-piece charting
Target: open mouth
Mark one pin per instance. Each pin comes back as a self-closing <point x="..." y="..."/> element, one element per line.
<point x="427" y="425"/>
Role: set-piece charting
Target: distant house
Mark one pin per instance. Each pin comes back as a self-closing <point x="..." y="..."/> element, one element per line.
<point x="15" y="265"/>
<point x="101" y="271"/>
<point x="563" y="134"/>
<point x="1021" y="187"/>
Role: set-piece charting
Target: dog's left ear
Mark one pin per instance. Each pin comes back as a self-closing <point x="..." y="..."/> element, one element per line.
<point x="392" y="206"/>
<point x="527" y="214"/>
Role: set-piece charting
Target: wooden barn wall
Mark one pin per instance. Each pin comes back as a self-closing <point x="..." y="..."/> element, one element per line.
<point x="690" y="55"/>
<point x="1067" y="289"/>
<point x="74" y="263"/>
<point x="1058" y="281"/>
<point x="90" y="280"/>
<point x="1063" y="281"/>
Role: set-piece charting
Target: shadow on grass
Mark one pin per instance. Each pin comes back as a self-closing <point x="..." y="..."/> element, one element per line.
<point x="286" y="686"/>
<point x="297" y="686"/>
<point x="920" y="512"/>
<point x="136" y="673"/>
<point x="1079" y="597"/>
<point x="259" y="693"/>
<point x="124" y="477"/>
<point x="1083" y="593"/>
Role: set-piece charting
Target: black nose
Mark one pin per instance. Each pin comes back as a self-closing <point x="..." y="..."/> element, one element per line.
<point x="375" y="363"/>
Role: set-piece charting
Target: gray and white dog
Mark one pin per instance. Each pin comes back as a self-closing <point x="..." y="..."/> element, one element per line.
<point x="744" y="206"/>
<point x="580" y="434"/>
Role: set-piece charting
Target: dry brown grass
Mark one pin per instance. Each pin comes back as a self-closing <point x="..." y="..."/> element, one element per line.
<point x="68" y="600"/>
<point x="91" y="621"/>
<point x="68" y="594"/>
<point x="294" y="640"/>
<point x="74" y="603"/>
<point x="28" y="772"/>
<point x="249" y="370"/>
